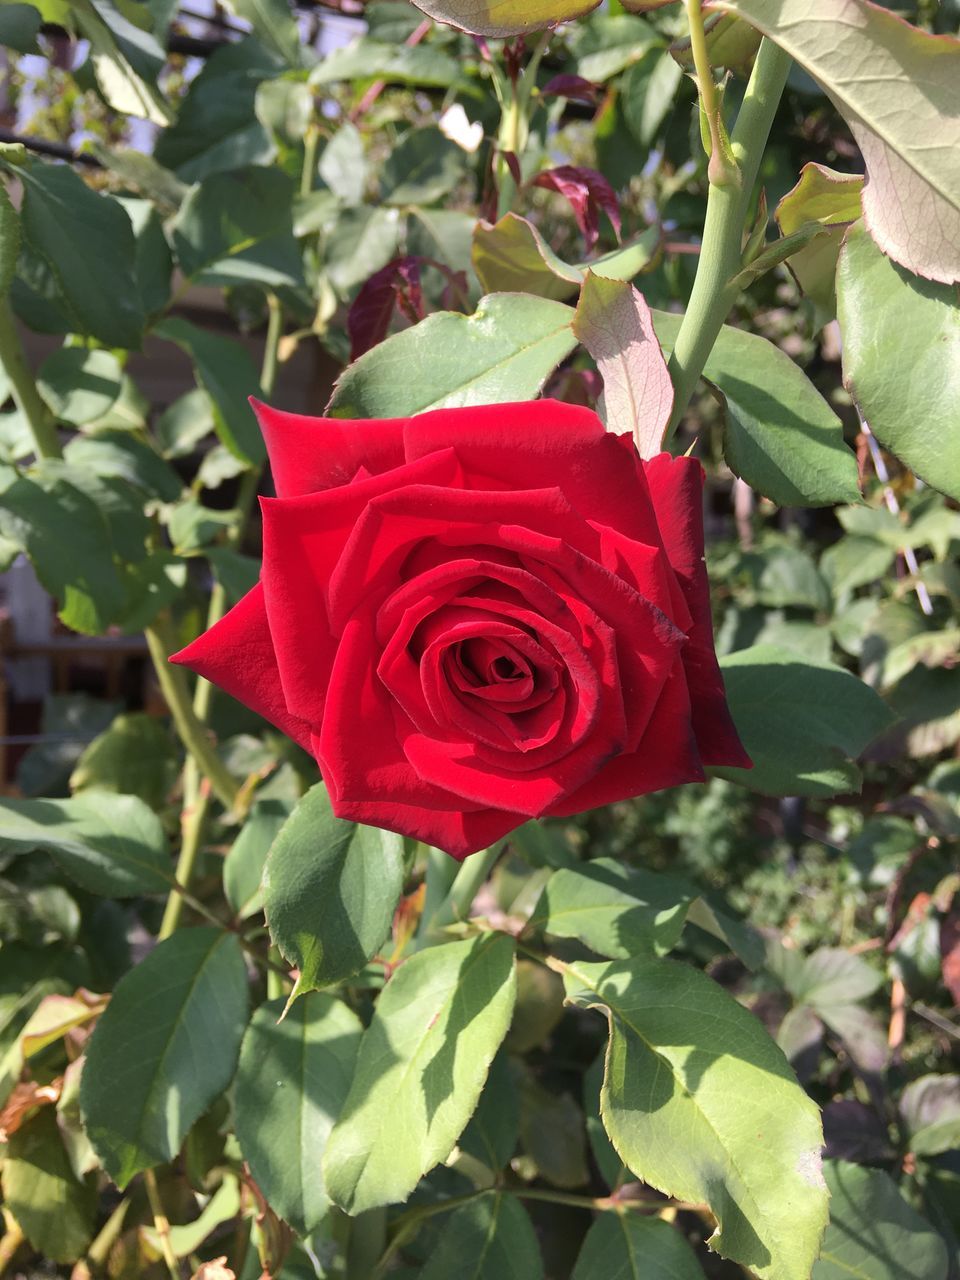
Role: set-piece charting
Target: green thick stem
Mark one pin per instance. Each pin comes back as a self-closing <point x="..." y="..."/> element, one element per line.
<point x="713" y="293"/>
<point x="42" y="424"/>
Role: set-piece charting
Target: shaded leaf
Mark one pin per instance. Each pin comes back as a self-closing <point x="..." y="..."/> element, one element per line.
<point x="873" y="1230"/>
<point x="53" y="1207"/>
<point x="165" y="1048"/>
<point x="623" y="1246"/>
<point x="832" y="200"/>
<point x="293" y="1077"/>
<point x="136" y="756"/>
<point x="422" y="168"/>
<point x="490" y="1238"/>
<point x="902" y="116"/>
<point x="110" y="844"/>
<point x="331" y="891"/>
<point x="781" y="436"/>
<point x="901" y="359"/>
<point x="614" y="909"/>
<point x="803" y="723"/>
<point x="244" y="864"/>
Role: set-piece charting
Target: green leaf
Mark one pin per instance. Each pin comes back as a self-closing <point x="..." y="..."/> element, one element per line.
<point x="490" y="1238"/>
<point x="343" y="164"/>
<point x="122" y="455"/>
<point x="422" y="168"/>
<point x="831" y="976"/>
<point x="554" y="1132"/>
<point x="368" y="59"/>
<point x="505" y="351"/>
<point x="217" y="128"/>
<point x="285" y="106"/>
<point x="126" y="60"/>
<point x="647" y="92"/>
<point x="293" y="1077"/>
<point x="136" y="756"/>
<point x="244" y="864"/>
<point x="731" y="44"/>
<point x="181" y="426"/>
<point x="614" y="909"/>
<point x="873" y="1231"/>
<point x="614" y="324"/>
<point x="504" y="17"/>
<point x="512" y="256"/>
<point x="700" y="1103"/>
<point x="930" y="1108"/>
<point x="164" y="1049"/>
<point x="80" y="384"/>
<point x="781" y="435"/>
<point x="360" y="242"/>
<point x="186" y="1238"/>
<point x="274" y="24"/>
<point x="422" y="1065"/>
<point x="227" y="373"/>
<point x="84" y="239"/>
<point x="110" y="844"/>
<point x="624" y="1246"/>
<point x="239" y="226"/>
<point x="833" y="200"/>
<point x="52" y="1206"/>
<point x="9" y="233"/>
<point x="803" y="723"/>
<point x="608" y="43"/>
<point x="902" y="116"/>
<point x="57" y="506"/>
<point x="901" y="359"/>
<point x="491" y="1136"/>
<point x="19" y="27"/>
<point x="331" y="891"/>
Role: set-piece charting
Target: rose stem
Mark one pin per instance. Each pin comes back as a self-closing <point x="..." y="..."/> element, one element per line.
<point x="40" y="420"/>
<point x="713" y="295"/>
<point x="196" y="798"/>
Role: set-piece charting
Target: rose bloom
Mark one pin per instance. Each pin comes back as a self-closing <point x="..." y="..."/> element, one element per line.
<point x="478" y="616"/>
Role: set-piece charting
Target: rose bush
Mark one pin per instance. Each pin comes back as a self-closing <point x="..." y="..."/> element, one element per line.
<point x="477" y="616"/>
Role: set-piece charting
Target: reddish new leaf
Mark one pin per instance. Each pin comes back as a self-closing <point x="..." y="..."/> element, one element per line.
<point x="573" y="87"/>
<point x="394" y="287"/>
<point x="588" y="192"/>
<point x="950" y="953"/>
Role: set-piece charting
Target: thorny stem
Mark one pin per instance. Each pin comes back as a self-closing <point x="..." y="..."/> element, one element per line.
<point x="713" y="293"/>
<point x="515" y="109"/>
<point x="42" y="424"/>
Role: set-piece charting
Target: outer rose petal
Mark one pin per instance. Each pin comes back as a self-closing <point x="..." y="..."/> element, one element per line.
<point x="540" y="444"/>
<point x="308" y="454"/>
<point x="676" y="486"/>
<point x="237" y="654"/>
<point x="458" y="834"/>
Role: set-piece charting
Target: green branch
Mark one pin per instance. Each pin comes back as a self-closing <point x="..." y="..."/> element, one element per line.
<point x="42" y="424"/>
<point x="713" y="292"/>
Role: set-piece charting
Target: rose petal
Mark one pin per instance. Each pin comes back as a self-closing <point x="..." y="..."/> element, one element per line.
<point x="541" y="444"/>
<point x="667" y="757"/>
<point x="237" y="654"/>
<point x="676" y="485"/>
<point x="303" y="539"/>
<point x="310" y="454"/>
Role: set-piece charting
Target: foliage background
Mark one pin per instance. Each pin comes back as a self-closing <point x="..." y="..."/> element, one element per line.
<point x="238" y="191"/>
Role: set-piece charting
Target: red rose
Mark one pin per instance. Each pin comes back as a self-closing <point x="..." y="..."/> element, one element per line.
<point x="478" y="616"/>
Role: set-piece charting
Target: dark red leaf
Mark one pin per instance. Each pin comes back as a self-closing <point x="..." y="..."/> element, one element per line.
<point x="573" y="87"/>
<point x="588" y="192"/>
<point x="950" y="951"/>
<point x="395" y="286"/>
